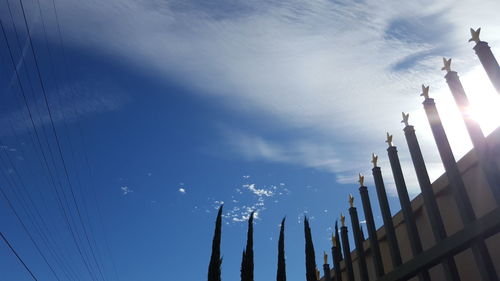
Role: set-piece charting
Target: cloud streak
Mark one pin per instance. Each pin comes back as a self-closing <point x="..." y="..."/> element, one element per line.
<point x="342" y="71"/>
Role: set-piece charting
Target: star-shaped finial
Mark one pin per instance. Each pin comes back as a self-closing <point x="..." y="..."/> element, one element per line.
<point x="405" y="118"/>
<point x="374" y="159"/>
<point x="342" y="219"/>
<point x="389" y="140"/>
<point x="425" y="91"/>
<point x="447" y="64"/>
<point x="351" y="201"/>
<point x="361" y="179"/>
<point x="475" y="35"/>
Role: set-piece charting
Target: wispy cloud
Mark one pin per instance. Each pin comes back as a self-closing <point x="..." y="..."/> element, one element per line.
<point x="251" y="198"/>
<point x="126" y="190"/>
<point x="66" y="106"/>
<point x="340" y="71"/>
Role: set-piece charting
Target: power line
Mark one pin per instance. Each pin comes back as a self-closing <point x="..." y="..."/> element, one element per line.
<point x="56" y="136"/>
<point x="94" y="245"/>
<point x="2" y="192"/>
<point x="28" y="207"/>
<point x="82" y="137"/>
<point x="46" y="164"/>
<point x="18" y="257"/>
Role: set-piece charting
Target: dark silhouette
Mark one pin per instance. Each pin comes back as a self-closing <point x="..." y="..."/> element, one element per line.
<point x="281" y="274"/>
<point x="339" y="247"/>
<point x="310" y="256"/>
<point x="247" y="260"/>
<point x="243" y="266"/>
<point x="214" y="268"/>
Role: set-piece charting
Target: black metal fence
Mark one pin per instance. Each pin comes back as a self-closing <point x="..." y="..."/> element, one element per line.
<point x="371" y="263"/>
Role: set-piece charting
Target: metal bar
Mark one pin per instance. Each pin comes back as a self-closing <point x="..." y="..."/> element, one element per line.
<point x="326" y="272"/>
<point x="363" y="270"/>
<point x="387" y="217"/>
<point x="480" y="229"/>
<point x="404" y="199"/>
<point x="479" y="250"/>
<point x="486" y="58"/>
<point x="336" y="259"/>
<point x="347" y="256"/>
<point x="476" y="135"/>
<point x="372" y="231"/>
<point x="435" y="220"/>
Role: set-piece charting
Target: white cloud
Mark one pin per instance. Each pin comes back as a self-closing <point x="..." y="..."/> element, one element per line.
<point x="182" y="190"/>
<point x="339" y="71"/>
<point x="251" y="198"/>
<point x="258" y="192"/>
<point x="126" y="190"/>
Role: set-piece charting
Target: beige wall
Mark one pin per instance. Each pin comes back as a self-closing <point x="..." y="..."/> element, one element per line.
<point x="482" y="202"/>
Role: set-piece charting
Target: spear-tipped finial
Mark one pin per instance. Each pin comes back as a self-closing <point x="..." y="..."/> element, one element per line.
<point x="317" y="274"/>
<point x="374" y="160"/>
<point x="447" y="64"/>
<point x="334" y="240"/>
<point x="425" y="91"/>
<point x="405" y="118"/>
<point x="389" y="140"/>
<point x="475" y="35"/>
<point x="342" y="219"/>
<point x="351" y="201"/>
<point x="325" y="257"/>
<point x="361" y="179"/>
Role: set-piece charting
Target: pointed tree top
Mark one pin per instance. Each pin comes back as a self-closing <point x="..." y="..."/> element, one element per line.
<point x="405" y="118"/>
<point x="475" y="35"/>
<point x="214" y="267"/>
<point x="374" y="160"/>
<point x="389" y="140"/>
<point x="446" y="64"/>
<point x="425" y="91"/>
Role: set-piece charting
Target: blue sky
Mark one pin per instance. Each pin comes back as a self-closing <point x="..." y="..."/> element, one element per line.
<point x="181" y="105"/>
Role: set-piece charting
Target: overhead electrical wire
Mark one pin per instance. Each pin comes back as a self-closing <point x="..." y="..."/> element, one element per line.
<point x="66" y="72"/>
<point x="33" y="213"/>
<point x="39" y="143"/>
<point x="94" y="245"/>
<point x="57" y="139"/>
<point x="18" y="257"/>
<point x="59" y="148"/>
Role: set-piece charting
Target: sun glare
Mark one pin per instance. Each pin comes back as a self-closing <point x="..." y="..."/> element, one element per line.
<point x="484" y="108"/>
<point x="484" y="100"/>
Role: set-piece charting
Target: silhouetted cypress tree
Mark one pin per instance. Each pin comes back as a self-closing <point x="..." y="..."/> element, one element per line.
<point x="243" y="270"/>
<point x="247" y="260"/>
<point x="281" y="274"/>
<point x="214" y="267"/>
<point x="310" y="256"/>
